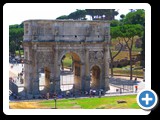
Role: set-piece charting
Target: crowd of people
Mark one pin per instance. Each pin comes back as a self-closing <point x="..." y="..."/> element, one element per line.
<point x="71" y="94"/>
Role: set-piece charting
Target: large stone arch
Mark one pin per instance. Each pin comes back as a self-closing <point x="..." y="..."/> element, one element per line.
<point x="47" y="41"/>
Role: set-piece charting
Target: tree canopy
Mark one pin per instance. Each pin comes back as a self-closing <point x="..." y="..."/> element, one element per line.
<point x="76" y="15"/>
<point x="96" y="14"/>
<point x="115" y="23"/>
<point x="15" y="37"/>
<point x="135" y="17"/>
<point x="62" y="17"/>
<point x="129" y="30"/>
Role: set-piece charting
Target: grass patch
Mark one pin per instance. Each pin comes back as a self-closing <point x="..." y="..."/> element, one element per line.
<point x="79" y="103"/>
<point x="67" y="61"/>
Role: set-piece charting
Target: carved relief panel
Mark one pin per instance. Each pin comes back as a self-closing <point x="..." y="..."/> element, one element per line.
<point x="96" y="56"/>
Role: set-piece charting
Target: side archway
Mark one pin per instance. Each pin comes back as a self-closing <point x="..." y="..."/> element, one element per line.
<point x="95" y="74"/>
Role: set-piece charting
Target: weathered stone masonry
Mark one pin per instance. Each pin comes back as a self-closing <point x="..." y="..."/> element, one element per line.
<point x="47" y="41"/>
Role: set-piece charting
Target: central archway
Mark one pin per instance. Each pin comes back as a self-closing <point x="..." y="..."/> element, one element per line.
<point x="70" y="72"/>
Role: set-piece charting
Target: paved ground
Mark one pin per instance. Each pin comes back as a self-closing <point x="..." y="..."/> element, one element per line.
<point x="67" y="78"/>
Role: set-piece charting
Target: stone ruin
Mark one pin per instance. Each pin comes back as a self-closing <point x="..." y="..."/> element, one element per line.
<point x="47" y="41"/>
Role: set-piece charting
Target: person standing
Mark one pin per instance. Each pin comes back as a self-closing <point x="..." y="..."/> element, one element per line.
<point x="136" y="88"/>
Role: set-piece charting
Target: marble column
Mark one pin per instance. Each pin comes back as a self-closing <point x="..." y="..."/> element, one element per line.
<point x="82" y="69"/>
<point x="102" y="77"/>
<point x="106" y="62"/>
<point x="52" y="77"/>
<point x="87" y="71"/>
<point x="35" y="73"/>
<point x="56" y="81"/>
<point x="28" y="79"/>
<point x="28" y="70"/>
<point x="77" y="75"/>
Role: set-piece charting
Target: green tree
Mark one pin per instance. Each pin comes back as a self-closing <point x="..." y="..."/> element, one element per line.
<point x="128" y="33"/>
<point x="116" y="34"/>
<point x="135" y="17"/>
<point x="90" y="12"/>
<point x="114" y="23"/>
<point x="143" y="51"/>
<point x="77" y="15"/>
<point x="12" y="47"/>
<point x="122" y="16"/>
<point x="15" y="37"/>
<point x="62" y="17"/>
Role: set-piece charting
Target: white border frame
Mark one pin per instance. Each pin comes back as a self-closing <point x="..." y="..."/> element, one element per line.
<point x="24" y="7"/>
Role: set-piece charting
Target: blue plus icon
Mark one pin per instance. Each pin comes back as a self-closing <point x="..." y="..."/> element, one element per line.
<point x="147" y="99"/>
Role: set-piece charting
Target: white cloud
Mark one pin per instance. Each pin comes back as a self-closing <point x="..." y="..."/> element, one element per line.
<point x="121" y="11"/>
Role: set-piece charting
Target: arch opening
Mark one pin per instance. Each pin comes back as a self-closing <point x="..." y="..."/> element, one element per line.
<point x="70" y="72"/>
<point x="95" y="77"/>
<point x="44" y="79"/>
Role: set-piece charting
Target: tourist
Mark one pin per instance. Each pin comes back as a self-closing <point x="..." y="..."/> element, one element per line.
<point x="136" y="88"/>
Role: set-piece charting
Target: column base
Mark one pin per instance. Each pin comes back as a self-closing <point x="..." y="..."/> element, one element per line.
<point x="107" y="87"/>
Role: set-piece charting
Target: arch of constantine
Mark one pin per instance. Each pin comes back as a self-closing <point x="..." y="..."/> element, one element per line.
<point x="47" y="41"/>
